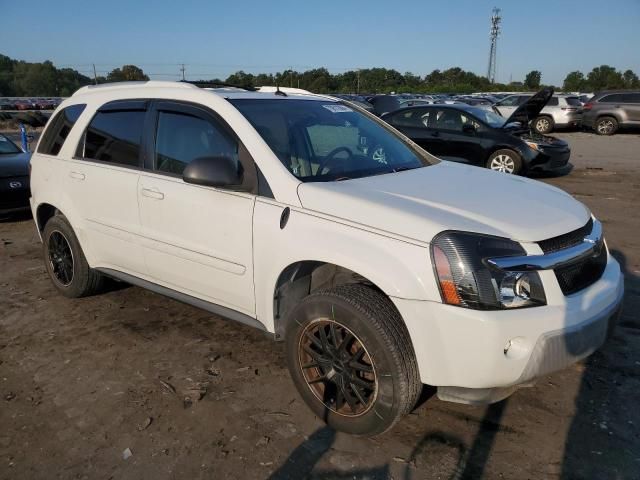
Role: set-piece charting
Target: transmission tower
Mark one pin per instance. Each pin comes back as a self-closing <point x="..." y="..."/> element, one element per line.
<point x="496" y="18"/>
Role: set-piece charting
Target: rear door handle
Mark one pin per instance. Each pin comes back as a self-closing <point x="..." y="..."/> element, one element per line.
<point x="435" y="134"/>
<point x="152" y="193"/>
<point x="77" y="175"/>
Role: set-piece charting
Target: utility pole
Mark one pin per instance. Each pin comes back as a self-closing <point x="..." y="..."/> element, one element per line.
<point x="358" y="86"/>
<point x="291" y="77"/>
<point x="496" y="19"/>
<point x="182" y="69"/>
<point x="95" y="76"/>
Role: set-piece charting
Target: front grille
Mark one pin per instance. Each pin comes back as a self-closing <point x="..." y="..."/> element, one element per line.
<point x="573" y="278"/>
<point x="566" y="240"/>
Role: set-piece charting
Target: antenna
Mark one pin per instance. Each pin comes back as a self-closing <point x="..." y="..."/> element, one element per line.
<point x="494" y="33"/>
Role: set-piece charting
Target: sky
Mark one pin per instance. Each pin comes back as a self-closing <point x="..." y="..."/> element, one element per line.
<point x="215" y="38"/>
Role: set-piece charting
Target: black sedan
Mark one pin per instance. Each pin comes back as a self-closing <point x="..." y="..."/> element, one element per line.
<point x="467" y="134"/>
<point x="14" y="178"/>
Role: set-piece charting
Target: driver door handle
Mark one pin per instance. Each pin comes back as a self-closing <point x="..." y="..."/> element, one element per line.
<point x="77" y="175"/>
<point x="435" y="134"/>
<point x="152" y="193"/>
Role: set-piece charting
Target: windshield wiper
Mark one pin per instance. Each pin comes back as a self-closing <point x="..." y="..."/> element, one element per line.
<point x="402" y="169"/>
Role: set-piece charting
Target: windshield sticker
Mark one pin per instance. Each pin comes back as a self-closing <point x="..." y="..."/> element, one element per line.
<point x="337" y="108"/>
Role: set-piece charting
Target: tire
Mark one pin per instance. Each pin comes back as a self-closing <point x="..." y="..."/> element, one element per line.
<point x="506" y="161"/>
<point x="378" y="346"/>
<point x="60" y="245"/>
<point x="543" y="125"/>
<point x="606" y="126"/>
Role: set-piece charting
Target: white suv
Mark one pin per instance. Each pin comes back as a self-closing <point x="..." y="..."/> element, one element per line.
<point x="270" y="209"/>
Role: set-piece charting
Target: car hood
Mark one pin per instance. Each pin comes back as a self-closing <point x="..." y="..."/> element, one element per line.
<point x="421" y="203"/>
<point x="14" y="164"/>
<point x="531" y="108"/>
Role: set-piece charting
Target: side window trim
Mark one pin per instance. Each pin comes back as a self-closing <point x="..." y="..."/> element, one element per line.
<point x="118" y="106"/>
<point x="54" y="129"/>
<point x="250" y="180"/>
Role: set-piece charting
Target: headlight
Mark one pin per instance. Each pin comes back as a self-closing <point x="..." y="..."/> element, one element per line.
<point x="535" y="146"/>
<point x="466" y="280"/>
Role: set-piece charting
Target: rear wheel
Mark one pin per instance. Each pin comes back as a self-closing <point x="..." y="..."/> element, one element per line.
<point x="543" y="125"/>
<point x="65" y="262"/>
<point x="505" y="161"/>
<point x="351" y="359"/>
<point x="606" y="126"/>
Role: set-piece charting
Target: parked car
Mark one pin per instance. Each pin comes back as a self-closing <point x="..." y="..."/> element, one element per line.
<point x="23" y="105"/>
<point x="6" y="104"/>
<point x="467" y="134"/>
<point x="14" y="178"/>
<point x="562" y="111"/>
<point x="477" y="102"/>
<point x="379" y="275"/>
<point x="608" y="111"/>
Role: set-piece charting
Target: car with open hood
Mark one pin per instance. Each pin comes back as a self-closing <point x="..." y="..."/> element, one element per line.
<point x="560" y="111"/>
<point x="271" y="209"/>
<point x="14" y="177"/>
<point x="467" y="134"/>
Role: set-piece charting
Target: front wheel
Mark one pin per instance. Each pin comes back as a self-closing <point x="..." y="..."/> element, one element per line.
<point x="505" y="161"/>
<point x="351" y="359"/>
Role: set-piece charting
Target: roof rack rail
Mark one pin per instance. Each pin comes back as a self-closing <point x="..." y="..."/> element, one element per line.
<point x="208" y="84"/>
<point x="121" y="85"/>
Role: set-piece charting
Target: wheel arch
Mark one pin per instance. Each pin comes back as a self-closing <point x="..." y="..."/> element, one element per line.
<point x="615" y="115"/>
<point x="301" y="278"/>
<point x="44" y="212"/>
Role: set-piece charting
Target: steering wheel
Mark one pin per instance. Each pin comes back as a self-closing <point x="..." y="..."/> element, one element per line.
<point x="330" y="157"/>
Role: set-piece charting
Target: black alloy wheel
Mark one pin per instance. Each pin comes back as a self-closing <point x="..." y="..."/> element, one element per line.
<point x="337" y="368"/>
<point x="60" y="258"/>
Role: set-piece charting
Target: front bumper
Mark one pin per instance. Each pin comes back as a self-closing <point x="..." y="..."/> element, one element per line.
<point x="463" y="349"/>
<point x="553" y="161"/>
<point x="14" y="195"/>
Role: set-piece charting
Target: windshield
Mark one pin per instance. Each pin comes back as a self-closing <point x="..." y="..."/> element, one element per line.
<point x="490" y="118"/>
<point x="7" y="146"/>
<point x="321" y="141"/>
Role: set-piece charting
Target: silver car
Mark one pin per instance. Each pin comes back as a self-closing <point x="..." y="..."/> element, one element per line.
<point x="562" y="111"/>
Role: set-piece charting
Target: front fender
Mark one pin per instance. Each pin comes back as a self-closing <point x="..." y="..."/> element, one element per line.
<point x="398" y="267"/>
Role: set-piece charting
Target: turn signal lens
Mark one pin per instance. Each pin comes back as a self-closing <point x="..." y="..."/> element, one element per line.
<point x="445" y="277"/>
<point x="534" y="146"/>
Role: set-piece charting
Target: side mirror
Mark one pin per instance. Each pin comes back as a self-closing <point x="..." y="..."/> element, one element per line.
<point x="221" y="171"/>
<point x="468" y="128"/>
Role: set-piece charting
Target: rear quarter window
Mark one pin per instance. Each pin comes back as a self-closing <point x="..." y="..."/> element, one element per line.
<point x="573" y="101"/>
<point x="59" y="128"/>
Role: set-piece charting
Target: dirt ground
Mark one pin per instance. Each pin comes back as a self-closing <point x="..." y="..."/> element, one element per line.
<point x="185" y="395"/>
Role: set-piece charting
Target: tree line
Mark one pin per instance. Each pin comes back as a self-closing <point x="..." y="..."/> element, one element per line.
<point x="19" y="78"/>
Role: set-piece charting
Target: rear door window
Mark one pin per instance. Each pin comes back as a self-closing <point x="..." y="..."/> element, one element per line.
<point x="59" y="129"/>
<point x="553" y="102"/>
<point x="114" y="136"/>
<point x="414" y="118"/>
<point x="613" y="98"/>
<point x="632" y="98"/>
